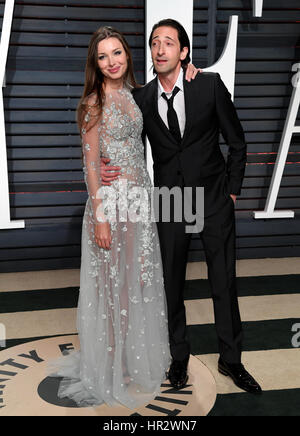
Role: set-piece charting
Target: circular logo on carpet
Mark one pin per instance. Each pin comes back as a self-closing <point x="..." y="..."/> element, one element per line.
<point x="22" y="369"/>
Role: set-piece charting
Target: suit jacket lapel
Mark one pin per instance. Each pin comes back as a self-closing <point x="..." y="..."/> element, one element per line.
<point x="189" y="107"/>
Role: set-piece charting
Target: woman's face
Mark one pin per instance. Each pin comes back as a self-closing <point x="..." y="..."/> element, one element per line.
<point x="112" y="58"/>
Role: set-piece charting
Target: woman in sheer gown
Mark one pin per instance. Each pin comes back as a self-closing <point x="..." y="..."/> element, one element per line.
<point x="122" y="314"/>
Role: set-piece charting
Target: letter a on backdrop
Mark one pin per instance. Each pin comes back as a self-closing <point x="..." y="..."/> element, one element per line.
<point x="290" y="129"/>
<point x="5" y="222"/>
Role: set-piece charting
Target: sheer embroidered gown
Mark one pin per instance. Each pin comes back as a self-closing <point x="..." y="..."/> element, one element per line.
<point x="122" y="313"/>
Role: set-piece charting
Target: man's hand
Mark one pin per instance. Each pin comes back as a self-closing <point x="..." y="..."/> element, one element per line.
<point x="108" y="174"/>
<point x="191" y="72"/>
<point x="233" y="198"/>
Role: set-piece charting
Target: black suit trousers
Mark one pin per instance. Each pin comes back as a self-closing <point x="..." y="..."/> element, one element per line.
<point x="218" y="237"/>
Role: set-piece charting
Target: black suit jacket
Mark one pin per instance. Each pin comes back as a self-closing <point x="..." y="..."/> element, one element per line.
<point x="197" y="161"/>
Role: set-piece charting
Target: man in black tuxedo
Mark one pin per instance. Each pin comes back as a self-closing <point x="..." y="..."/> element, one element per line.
<point x="182" y="121"/>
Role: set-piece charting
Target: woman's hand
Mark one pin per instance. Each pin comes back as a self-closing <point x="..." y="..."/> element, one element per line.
<point x="233" y="197"/>
<point x="191" y="72"/>
<point x="103" y="235"/>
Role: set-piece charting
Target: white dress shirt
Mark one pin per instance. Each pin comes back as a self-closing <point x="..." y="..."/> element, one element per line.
<point x="178" y="104"/>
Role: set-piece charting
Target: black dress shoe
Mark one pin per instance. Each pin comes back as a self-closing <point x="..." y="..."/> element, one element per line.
<point x="240" y="376"/>
<point x="178" y="374"/>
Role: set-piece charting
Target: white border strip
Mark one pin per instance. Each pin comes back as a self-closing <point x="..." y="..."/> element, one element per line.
<point x="5" y="222"/>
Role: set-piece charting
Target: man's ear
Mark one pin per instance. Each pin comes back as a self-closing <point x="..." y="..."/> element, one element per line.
<point x="184" y="53"/>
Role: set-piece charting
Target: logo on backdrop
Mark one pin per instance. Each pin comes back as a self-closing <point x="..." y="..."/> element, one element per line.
<point x="23" y="369"/>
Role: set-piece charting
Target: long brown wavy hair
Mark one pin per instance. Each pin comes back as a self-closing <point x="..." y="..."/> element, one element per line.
<point x="94" y="78"/>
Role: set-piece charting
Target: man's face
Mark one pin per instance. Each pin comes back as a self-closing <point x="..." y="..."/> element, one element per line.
<point x="165" y="50"/>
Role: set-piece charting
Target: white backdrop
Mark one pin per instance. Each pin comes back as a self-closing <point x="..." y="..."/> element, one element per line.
<point x="156" y="10"/>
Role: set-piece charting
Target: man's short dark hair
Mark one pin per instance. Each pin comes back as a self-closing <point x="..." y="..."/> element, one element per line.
<point x="182" y="36"/>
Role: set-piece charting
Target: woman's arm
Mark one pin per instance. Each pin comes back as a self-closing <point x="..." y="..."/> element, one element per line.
<point x="91" y="158"/>
<point x="90" y="136"/>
